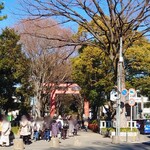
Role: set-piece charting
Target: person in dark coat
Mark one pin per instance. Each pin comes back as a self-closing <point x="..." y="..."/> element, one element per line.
<point x="47" y="128"/>
<point x="65" y="128"/>
<point x="76" y="126"/>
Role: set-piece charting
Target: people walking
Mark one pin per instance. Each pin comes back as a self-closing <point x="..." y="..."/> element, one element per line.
<point x="59" y="126"/>
<point x="86" y="124"/>
<point x="54" y="128"/>
<point x="5" y="132"/>
<point x="47" y="128"/>
<point x="36" y="129"/>
<point x="71" y="126"/>
<point x="25" y="129"/>
<point x="65" y="128"/>
<point x="76" y="126"/>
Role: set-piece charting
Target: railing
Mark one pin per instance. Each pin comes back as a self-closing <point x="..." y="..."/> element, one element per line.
<point x="105" y="124"/>
<point x="133" y="124"/>
<point x="108" y="124"/>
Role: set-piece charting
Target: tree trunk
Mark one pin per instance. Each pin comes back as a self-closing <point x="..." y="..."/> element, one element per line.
<point x="38" y="106"/>
<point x="116" y="65"/>
<point x="123" y="119"/>
<point x="95" y="111"/>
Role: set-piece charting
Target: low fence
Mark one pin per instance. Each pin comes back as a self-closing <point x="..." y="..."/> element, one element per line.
<point x="109" y="124"/>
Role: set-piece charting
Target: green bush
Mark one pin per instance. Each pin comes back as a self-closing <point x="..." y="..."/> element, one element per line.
<point x="15" y="130"/>
<point x="94" y="122"/>
<point x="128" y="130"/>
<point x="106" y="130"/>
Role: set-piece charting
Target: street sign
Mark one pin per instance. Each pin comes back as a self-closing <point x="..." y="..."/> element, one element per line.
<point x="124" y="92"/>
<point x="132" y="92"/>
<point x="113" y="95"/>
<point x="131" y="102"/>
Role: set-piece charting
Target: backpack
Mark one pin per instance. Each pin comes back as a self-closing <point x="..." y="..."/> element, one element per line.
<point x="65" y="124"/>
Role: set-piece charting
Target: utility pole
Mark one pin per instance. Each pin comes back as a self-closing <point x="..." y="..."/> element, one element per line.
<point x="119" y="85"/>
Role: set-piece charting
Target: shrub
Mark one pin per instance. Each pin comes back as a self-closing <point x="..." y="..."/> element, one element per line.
<point x="107" y="131"/>
<point x="128" y="130"/>
<point x="93" y="125"/>
<point x="94" y="122"/>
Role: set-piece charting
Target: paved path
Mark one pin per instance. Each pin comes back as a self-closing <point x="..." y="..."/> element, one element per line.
<point x="87" y="141"/>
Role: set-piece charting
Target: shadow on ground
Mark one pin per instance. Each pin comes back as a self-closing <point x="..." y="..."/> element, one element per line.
<point x="108" y="147"/>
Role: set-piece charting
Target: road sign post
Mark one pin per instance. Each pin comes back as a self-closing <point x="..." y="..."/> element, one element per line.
<point x="131" y="119"/>
<point x="131" y="103"/>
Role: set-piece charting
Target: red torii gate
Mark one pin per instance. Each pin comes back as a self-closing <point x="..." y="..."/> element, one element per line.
<point x="66" y="88"/>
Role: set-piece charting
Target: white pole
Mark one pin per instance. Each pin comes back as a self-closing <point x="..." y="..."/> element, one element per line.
<point x="131" y="119"/>
<point x="142" y="107"/>
<point x="119" y="85"/>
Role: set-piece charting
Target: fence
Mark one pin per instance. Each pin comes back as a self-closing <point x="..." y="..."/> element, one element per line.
<point x="109" y="124"/>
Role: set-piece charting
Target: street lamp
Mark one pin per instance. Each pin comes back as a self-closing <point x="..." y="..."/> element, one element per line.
<point x="116" y="138"/>
<point x="119" y="85"/>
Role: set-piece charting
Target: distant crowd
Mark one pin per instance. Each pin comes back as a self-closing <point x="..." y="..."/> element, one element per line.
<point x="40" y="128"/>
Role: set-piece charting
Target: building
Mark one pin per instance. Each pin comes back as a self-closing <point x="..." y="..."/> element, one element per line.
<point x="141" y="109"/>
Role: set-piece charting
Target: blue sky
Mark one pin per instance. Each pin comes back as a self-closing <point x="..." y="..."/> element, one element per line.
<point x="9" y="10"/>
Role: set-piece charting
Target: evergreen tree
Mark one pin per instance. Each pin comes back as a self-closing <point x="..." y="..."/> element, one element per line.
<point x="94" y="72"/>
<point x="1" y="8"/>
<point x="13" y="68"/>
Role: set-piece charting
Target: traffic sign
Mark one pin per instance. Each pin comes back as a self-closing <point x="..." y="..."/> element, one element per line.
<point x="113" y="95"/>
<point x="131" y="102"/>
<point x="132" y="92"/>
<point x="124" y="92"/>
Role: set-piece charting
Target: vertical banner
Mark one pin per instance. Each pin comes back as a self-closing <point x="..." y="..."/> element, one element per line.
<point x="52" y="104"/>
<point x="86" y="108"/>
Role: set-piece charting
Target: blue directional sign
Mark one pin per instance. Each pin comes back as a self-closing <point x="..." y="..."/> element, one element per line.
<point x="124" y="92"/>
<point x="132" y="92"/>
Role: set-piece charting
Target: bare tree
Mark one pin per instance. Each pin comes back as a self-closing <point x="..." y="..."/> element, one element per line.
<point x="48" y="61"/>
<point x="118" y="18"/>
<point x="102" y="22"/>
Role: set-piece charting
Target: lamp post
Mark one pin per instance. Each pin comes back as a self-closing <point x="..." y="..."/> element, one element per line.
<point x="119" y="85"/>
